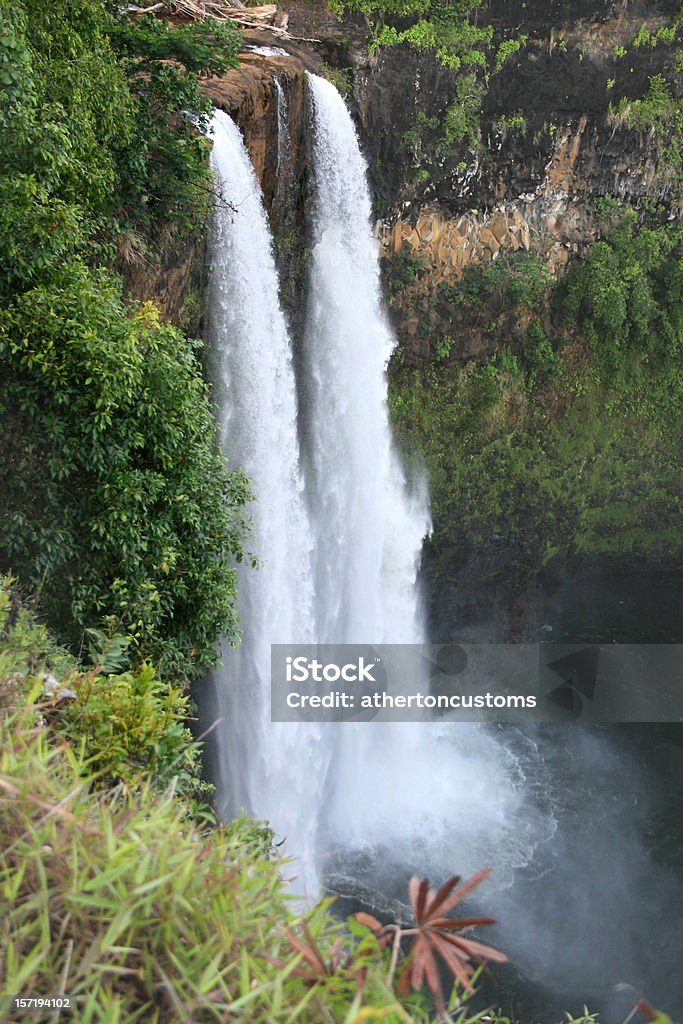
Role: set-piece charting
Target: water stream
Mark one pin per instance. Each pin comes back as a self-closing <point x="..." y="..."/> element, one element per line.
<point x="340" y="550"/>
<point x="274" y="771"/>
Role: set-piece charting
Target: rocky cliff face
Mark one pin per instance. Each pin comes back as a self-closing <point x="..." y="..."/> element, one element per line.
<point x="549" y="146"/>
<point x="250" y="96"/>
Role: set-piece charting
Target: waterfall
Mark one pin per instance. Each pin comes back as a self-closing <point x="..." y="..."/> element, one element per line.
<point x="422" y="794"/>
<point x="283" y="141"/>
<point x="368" y="532"/>
<point x="274" y="771"/>
<point x="340" y="555"/>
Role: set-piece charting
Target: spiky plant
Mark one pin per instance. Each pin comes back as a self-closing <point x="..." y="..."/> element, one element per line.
<point x="435" y="937"/>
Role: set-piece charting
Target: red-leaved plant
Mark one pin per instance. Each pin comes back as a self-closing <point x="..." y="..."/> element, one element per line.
<point x="435" y="937"/>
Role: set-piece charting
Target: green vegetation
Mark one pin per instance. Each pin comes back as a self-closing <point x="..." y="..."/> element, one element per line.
<point x="658" y="110"/>
<point x="415" y="140"/>
<point x="572" y="445"/>
<point x="660" y="113"/>
<point x="117" y="893"/>
<point x="448" y="30"/>
<point x="113" y="499"/>
<point x="453" y="34"/>
<point x="627" y="299"/>
<point x="515" y="279"/>
<point x="507" y="48"/>
<point x="666" y="34"/>
<point x="461" y="118"/>
<point x="512" y="124"/>
<point x="127" y="725"/>
<point x="339" y="77"/>
<point x="405" y="268"/>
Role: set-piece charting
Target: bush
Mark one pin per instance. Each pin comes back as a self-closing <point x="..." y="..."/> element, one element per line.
<point x="163" y="168"/>
<point x="660" y="113"/>
<point x="133" y="913"/>
<point x="515" y="279"/>
<point x="628" y="296"/>
<point x="113" y="499"/>
<point x="136" y="914"/>
<point x="461" y="119"/>
<point x="131" y="724"/>
<point x="570" y="448"/>
<point x="404" y="268"/>
<point x="129" y="727"/>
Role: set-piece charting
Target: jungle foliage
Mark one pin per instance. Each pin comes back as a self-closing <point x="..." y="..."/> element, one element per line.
<point x="447" y="29"/>
<point x="113" y="499"/>
<point x="117" y="892"/>
<point x="570" y="446"/>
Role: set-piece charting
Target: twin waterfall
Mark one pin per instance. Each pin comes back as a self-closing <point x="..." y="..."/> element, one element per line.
<point x="337" y="535"/>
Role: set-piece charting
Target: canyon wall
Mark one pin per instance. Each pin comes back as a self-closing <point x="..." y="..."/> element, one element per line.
<point x="548" y="147"/>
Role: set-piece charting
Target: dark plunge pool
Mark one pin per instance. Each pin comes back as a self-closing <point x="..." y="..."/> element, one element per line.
<point x="599" y="902"/>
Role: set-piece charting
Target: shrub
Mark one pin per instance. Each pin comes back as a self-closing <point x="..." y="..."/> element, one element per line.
<point x="628" y="296"/>
<point x="512" y="124"/>
<point x="136" y="914"/>
<point x="129" y="727"/>
<point x="339" y="77"/>
<point x="404" y="268"/>
<point x="570" y="448"/>
<point x="658" y="112"/>
<point x="539" y="356"/>
<point x="130" y="724"/>
<point x="461" y="120"/>
<point x="515" y="279"/>
<point x="163" y="170"/>
<point x="114" y="500"/>
<point x="132" y="912"/>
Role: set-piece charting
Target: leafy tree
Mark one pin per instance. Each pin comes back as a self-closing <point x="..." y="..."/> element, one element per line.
<point x="163" y="167"/>
<point x="113" y="499"/>
<point x="628" y="296"/>
<point x="447" y="28"/>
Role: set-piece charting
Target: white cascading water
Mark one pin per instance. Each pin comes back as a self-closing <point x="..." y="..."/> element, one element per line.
<point x="431" y="794"/>
<point x="368" y="532"/>
<point x="273" y="770"/>
<point x="341" y="566"/>
<point x="372" y="802"/>
<point x="283" y="141"/>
